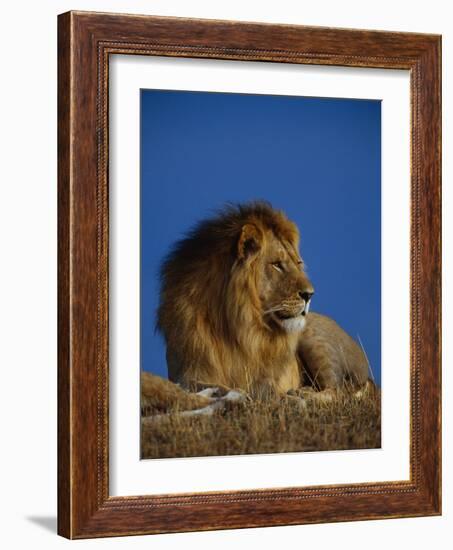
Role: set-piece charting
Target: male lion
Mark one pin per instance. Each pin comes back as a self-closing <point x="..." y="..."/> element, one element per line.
<point x="234" y="310"/>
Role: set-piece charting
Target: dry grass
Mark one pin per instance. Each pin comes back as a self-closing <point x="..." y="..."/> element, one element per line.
<point x="254" y="427"/>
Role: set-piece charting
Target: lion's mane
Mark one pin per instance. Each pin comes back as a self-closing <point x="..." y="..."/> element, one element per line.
<point x="210" y="312"/>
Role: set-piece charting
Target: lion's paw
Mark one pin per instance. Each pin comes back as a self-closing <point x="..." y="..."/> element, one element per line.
<point x="209" y="392"/>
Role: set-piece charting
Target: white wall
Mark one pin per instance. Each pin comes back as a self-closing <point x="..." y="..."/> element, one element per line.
<point x="28" y="268"/>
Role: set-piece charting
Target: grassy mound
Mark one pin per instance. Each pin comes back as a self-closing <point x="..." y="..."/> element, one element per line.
<point x="346" y="421"/>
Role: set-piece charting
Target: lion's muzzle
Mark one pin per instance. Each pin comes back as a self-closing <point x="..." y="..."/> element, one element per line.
<point x="291" y="314"/>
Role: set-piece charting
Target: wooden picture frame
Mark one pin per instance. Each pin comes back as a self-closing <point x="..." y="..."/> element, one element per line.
<point x="85" y="42"/>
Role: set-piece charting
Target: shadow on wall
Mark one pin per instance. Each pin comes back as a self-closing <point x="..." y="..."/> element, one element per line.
<point x="49" y="523"/>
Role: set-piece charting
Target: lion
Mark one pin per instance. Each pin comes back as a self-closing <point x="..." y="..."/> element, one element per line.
<point x="160" y="397"/>
<point x="234" y="310"/>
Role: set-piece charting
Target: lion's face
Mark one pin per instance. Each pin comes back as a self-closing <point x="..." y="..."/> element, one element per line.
<point x="283" y="288"/>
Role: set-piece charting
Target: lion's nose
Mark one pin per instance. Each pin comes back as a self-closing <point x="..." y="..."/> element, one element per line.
<point x="306" y="295"/>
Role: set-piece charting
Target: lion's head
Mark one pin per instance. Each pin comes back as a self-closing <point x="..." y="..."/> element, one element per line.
<point x="234" y="295"/>
<point x="268" y="258"/>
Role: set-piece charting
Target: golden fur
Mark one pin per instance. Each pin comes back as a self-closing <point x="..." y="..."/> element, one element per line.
<point x="234" y="304"/>
<point x="160" y="396"/>
<point x="329" y="357"/>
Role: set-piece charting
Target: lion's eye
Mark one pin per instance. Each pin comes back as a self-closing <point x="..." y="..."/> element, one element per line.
<point x="278" y="266"/>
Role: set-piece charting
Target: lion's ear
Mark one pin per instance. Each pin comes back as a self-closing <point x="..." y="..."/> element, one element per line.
<point x="250" y="241"/>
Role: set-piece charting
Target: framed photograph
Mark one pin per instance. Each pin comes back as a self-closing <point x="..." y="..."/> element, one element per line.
<point x="249" y="275"/>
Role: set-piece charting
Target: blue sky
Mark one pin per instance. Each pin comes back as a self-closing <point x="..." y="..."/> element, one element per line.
<point x="317" y="159"/>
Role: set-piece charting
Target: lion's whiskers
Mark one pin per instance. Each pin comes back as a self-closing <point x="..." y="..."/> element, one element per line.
<point x="283" y="306"/>
<point x="274" y="309"/>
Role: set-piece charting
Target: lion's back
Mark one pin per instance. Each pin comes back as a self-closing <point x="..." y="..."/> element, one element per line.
<point x="330" y="355"/>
